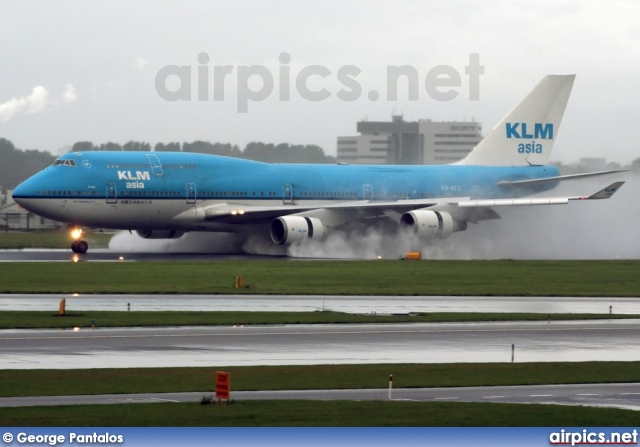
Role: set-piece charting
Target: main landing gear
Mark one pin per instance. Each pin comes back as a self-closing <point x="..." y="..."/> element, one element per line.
<point x="78" y="245"/>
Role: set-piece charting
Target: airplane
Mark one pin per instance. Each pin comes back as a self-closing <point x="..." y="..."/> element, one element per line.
<point x="162" y="195"/>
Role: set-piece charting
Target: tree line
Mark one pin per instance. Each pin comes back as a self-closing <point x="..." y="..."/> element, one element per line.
<point x="16" y="165"/>
<point x="267" y="152"/>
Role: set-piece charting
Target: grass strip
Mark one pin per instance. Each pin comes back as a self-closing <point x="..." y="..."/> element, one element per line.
<point x="377" y="277"/>
<point x="49" y="239"/>
<point x="19" y="383"/>
<point x="319" y="414"/>
<point x="90" y="318"/>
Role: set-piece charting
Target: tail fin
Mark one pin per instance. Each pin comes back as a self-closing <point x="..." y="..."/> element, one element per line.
<point x="526" y="135"/>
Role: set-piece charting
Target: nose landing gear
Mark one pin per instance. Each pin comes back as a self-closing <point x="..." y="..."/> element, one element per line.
<point x="78" y="245"/>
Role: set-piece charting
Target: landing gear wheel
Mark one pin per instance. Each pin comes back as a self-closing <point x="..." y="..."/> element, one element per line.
<point x="79" y="247"/>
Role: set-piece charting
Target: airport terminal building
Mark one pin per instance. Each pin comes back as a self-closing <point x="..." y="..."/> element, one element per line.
<point x="400" y="142"/>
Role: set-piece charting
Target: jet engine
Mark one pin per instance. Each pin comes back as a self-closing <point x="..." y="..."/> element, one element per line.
<point x="429" y="224"/>
<point x="289" y="229"/>
<point x="159" y="234"/>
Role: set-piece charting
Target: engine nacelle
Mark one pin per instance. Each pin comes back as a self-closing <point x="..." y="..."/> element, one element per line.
<point x="159" y="234"/>
<point x="431" y="224"/>
<point x="289" y="229"/>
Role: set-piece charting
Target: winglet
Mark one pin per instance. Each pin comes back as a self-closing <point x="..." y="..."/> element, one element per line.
<point x="606" y="192"/>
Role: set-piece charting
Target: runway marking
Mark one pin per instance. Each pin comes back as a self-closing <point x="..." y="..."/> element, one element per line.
<point x="157" y="399"/>
<point x="492" y="397"/>
<point x="445" y="398"/>
<point x="540" y="395"/>
<point x="587" y="394"/>
<point x="630" y="394"/>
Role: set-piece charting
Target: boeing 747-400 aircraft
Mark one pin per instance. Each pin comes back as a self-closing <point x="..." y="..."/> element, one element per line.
<point x="165" y="194"/>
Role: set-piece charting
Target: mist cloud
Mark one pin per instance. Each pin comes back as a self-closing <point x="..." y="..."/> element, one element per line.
<point x="36" y="102"/>
<point x="33" y="103"/>
<point x="599" y="229"/>
<point x="69" y="95"/>
<point x="195" y="242"/>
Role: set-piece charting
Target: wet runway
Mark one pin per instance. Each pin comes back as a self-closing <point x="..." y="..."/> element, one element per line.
<point x="106" y="255"/>
<point x="348" y="304"/>
<point x="321" y="344"/>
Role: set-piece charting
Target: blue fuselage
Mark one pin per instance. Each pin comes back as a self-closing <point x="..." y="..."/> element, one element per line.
<point x="124" y="178"/>
<point x="96" y="174"/>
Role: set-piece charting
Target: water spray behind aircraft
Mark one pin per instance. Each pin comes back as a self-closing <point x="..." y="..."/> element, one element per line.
<point x="604" y="230"/>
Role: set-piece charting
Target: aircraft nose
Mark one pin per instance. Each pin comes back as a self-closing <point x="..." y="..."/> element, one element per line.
<point x="23" y="191"/>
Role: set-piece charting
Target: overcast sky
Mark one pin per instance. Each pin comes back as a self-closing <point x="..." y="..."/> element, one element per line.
<point x="78" y="70"/>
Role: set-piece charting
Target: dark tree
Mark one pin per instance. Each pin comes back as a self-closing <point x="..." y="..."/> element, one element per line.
<point x="170" y="147"/>
<point x="17" y="165"/>
<point x="136" y="146"/>
<point x="82" y="146"/>
<point x="205" y="147"/>
<point x="110" y="146"/>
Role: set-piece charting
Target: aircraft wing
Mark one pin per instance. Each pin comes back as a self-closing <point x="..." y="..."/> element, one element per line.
<point x="463" y="208"/>
<point x="602" y="194"/>
<point x="559" y="178"/>
<point x="242" y="213"/>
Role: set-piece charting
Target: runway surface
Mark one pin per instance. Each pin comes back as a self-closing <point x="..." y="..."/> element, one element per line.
<point x="106" y="255"/>
<point x="293" y="303"/>
<point x="606" y="340"/>
<point x="618" y="395"/>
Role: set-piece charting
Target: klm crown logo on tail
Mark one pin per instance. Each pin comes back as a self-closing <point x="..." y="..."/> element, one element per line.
<point x="540" y="131"/>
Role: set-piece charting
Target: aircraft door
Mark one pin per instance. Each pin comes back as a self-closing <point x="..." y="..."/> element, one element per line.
<point x="191" y="193"/>
<point x="154" y="162"/>
<point x="112" y="195"/>
<point x="287" y="194"/>
<point x="367" y="191"/>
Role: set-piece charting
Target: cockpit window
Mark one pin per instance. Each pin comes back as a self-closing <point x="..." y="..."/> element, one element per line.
<point x="64" y="162"/>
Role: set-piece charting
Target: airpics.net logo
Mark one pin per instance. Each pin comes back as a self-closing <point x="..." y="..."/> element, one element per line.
<point x="255" y="83"/>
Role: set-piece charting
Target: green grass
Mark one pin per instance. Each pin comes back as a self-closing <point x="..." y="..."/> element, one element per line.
<point x="479" y="278"/>
<point x="319" y="413"/>
<point x="89" y="318"/>
<point x="49" y="239"/>
<point x="308" y="377"/>
<point x="313" y="413"/>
